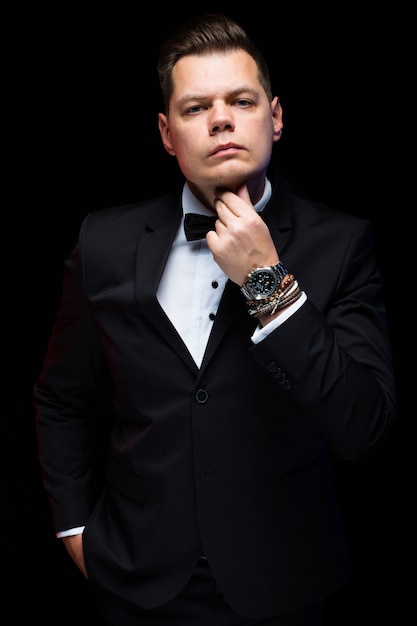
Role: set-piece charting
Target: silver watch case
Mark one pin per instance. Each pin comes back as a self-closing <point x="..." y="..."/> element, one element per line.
<point x="262" y="282"/>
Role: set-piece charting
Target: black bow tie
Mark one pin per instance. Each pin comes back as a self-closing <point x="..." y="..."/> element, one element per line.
<point x="196" y="226"/>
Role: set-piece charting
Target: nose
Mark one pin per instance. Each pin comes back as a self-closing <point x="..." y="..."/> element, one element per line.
<point x="221" y="119"/>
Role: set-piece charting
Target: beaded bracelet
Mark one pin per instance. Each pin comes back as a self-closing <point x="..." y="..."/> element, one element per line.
<point x="290" y="295"/>
<point x="290" y="300"/>
<point x="272" y="309"/>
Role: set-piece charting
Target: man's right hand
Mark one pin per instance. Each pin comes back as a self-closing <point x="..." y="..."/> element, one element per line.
<point x="74" y="546"/>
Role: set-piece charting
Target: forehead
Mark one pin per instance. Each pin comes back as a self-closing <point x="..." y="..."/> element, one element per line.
<point x="219" y="70"/>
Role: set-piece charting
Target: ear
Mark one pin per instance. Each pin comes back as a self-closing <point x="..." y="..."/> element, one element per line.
<point x="163" y="126"/>
<point x="277" y="118"/>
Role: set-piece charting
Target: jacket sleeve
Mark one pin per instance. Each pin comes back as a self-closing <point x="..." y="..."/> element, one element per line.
<point x="334" y="352"/>
<point x="67" y="405"/>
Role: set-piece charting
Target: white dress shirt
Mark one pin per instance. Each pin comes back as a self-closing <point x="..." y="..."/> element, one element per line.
<point x="199" y="283"/>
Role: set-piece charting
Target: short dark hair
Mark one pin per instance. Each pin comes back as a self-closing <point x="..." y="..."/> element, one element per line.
<point x="203" y="35"/>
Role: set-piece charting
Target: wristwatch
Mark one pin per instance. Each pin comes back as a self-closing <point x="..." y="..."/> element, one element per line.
<point x="263" y="281"/>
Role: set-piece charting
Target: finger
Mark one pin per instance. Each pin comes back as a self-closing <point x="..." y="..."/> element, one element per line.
<point x="238" y="202"/>
<point x="228" y="201"/>
<point x="243" y="194"/>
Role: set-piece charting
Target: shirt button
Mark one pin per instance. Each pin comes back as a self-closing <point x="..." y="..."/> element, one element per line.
<point x="212" y="316"/>
<point x="214" y="284"/>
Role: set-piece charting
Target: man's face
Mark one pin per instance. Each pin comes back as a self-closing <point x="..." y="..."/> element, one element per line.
<point x="220" y="125"/>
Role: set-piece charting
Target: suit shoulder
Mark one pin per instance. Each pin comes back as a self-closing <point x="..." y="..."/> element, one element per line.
<point x="115" y="230"/>
<point x="320" y="211"/>
<point x="135" y="212"/>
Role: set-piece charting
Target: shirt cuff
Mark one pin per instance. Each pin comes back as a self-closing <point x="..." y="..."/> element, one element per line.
<point x="69" y="533"/>
<point x="263" y="331"/>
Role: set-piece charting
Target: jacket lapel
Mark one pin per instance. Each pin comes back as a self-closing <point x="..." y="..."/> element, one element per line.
<point x="154" y="244"/>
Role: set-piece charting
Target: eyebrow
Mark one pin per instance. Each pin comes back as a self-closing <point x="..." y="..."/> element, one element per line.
<point x="233" y="94"/>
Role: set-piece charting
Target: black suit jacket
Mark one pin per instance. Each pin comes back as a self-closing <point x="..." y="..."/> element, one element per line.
<point x="233" y="458"/>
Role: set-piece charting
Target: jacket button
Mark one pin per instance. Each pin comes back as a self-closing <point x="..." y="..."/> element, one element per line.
<point x="277" y="373"/>
<point x="201" y="396"/>
<point x="272" y="367"/>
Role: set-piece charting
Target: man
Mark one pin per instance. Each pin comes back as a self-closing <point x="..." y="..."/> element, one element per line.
<point x="234" y="368"/>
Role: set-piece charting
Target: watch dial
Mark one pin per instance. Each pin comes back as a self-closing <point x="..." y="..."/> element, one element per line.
<point x="263" y="283"/>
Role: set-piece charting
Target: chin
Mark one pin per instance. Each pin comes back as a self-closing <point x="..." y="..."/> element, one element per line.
<point x="231" y="181"/>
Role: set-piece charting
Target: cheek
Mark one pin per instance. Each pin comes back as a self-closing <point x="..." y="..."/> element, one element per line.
<point x="185" y="146"/>
<point x="188" y="163"/>
<point x="265" y="140"/>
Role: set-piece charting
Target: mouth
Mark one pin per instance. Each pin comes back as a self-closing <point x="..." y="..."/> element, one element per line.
<point x="226" y="149"/>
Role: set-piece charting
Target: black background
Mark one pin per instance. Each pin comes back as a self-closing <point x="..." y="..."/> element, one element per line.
<point x="80" y="131"/>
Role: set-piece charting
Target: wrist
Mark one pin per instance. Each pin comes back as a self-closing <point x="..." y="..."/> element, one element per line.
<point x="269" y="290"/>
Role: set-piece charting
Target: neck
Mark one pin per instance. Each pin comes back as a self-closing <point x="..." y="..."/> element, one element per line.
<point x="207" y="195"/>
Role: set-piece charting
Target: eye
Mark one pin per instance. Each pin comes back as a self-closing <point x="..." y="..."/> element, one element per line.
<point x="194" y="109"/>
<point x="242" y="103"/>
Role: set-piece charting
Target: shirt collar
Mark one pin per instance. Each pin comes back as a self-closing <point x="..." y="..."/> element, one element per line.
<point x="190" y="204"/>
